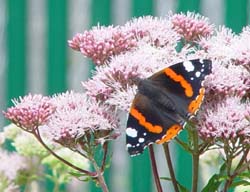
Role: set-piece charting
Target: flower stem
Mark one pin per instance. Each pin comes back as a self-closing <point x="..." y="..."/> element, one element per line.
<point x="154" y="168"/>
<point x="170" y="167"/>
<point x="243" y="159"/>
<point x="195" y="155"/>
<point x="38" y="136"/>
<point x="100" y="177"/>
<point x="239" y="169"/>
<point x="228" y="165"/>
<point x="105" y="151"/>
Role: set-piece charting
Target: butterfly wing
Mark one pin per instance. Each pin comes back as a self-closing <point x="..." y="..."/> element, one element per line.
<point x="182" y="83"/>
<point x="147" y="124"/>
<point x="164" y="102"/>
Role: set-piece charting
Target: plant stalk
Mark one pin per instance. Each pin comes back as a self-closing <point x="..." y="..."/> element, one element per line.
<point x="229" y="166"/>
<point x="154" y="168"/>
<point x="195" y="157"/>
<point x="170" y="167"/>
<point x="38" y="136"/>
<point x="100" y="177"/>
<point x="105" y="150"/>
<point x="236" y="172"/>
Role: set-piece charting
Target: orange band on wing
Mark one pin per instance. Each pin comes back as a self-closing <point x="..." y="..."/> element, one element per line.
<point x="178" y="78"/>
<point x="195" y="104"/>
<point x="170" y="134"/>
<point x="142" y="121"/>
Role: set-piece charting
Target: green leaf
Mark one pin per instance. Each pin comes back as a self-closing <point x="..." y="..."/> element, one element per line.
<point x="81" y="176"/>
<point x="166" y="178"/>
<point x="213" y="183"/>
<point x="184" y="145"/>
<point x="77" y="174"/>
<point x="223" y="168"/>
<point x="182" y="188"/>
<point x="241" y="182"/>
<point x="245" y="174"/>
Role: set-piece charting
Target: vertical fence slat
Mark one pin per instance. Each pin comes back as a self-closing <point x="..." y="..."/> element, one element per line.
<point x="236" y="14"/>
<point x="191" y="5"/>
<point x="184" y="161"/>
<point x="56" y="51"/>
<point x="57" y="46"/>
<point x="142" y="7"/>
<point x="16" y="49"/>
<point x="101" y="14"/>
<point x="140" y="170"/>
<point x="3" y="55"/>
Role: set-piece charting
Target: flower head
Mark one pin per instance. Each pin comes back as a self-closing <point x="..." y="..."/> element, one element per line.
<point x="101" y="43"/>
<point x="241" y="49"/>
<point x="30" y="111"/>
<point x="225" y="121"/>
<point x="18" y="163"/>
<point x="11" y="131"/>
<point x="191" y="26"/>
<point x="122" y="98"/>
<point x="28" y="146"/>
<point x="219" y="45"/>
<point x="122" y="71"/>
<point x="153" y="30"/>
<point x="77" y="116"/>
<point x="226" y="80"/>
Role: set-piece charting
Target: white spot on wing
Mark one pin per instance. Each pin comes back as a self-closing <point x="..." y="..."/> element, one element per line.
<point x="201" y="61"/>
<point x="188" y="66"/>
<point x="129" y="145"/>
<point x="198" y="74"/>
<point x="141" y="140"/>
<point x="131" y="132"/>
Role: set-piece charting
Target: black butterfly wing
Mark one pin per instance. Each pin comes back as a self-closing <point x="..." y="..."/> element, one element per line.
<point x="164" y="102"/>
<point x="147" y="123"/>
<point x="182" y="83"/>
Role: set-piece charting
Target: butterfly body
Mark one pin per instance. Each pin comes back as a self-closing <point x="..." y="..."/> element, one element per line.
<point x="164" y="102"/>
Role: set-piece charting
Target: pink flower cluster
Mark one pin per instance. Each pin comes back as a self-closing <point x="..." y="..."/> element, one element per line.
<point x="226" y="120"/>
<point x="242" y="49"/>
<point x="191" y="26"/>
<point x="11" y="164"/>
<point x="111" y="83"/>
<point x="153" y="30"/>
<point x="76" y="116"/>
<point x="219" y="45"/>
<point x="101" y="43"/>
<point x="227" y="80"/>
<point x="138" y="49"/>
<point x="63" y="118"/>
<point x="30" y="112"/>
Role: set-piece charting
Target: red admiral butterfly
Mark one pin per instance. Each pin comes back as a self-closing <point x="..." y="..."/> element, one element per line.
<point x="164" y="102"/>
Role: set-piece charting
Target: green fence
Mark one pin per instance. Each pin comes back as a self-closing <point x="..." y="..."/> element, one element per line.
<point x="17" y="78"/>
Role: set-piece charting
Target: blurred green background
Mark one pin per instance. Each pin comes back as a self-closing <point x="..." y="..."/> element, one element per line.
<point x="35" y="57"/>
